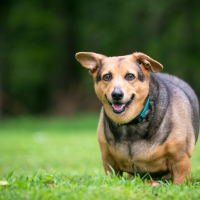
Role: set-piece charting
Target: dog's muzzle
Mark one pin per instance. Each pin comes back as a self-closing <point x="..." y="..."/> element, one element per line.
<point x="120" y="108"/>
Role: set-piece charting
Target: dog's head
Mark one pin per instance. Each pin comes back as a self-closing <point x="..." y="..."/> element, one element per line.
<point x="121" y="83"/>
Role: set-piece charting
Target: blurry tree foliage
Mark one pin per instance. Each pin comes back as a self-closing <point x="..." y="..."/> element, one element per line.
<point x="39" y="39"/>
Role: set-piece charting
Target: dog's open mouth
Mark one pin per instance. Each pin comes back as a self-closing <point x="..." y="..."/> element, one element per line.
<point x="119" y="108"/>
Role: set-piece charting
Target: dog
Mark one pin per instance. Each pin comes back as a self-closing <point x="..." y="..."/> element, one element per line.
<point x="149" y="120"/>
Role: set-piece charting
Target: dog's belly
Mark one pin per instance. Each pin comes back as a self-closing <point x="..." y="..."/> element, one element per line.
<point x="133" y="158"/>
<point x="142" y="167"/>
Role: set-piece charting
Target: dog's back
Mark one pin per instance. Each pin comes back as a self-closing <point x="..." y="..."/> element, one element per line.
<point x="179" y="84"/>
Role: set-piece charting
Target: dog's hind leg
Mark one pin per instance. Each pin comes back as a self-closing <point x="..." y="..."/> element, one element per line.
<point x="181" y="170"/>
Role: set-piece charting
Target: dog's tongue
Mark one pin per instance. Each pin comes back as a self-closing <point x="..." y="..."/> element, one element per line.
<point x="118" y="107"/>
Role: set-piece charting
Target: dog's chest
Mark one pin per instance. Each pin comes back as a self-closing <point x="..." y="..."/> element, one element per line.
<point x="127" y="140"/>
<point x="133" y="151"/>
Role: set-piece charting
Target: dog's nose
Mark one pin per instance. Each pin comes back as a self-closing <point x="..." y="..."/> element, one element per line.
<point x="117" y="94"/>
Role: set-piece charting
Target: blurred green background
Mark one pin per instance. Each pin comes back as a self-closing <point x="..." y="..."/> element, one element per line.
<point x="48" y="108"/>
<point x="39" y="38"/>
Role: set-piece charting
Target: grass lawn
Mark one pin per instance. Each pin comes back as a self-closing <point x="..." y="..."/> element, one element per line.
<point x="59" y="158"/>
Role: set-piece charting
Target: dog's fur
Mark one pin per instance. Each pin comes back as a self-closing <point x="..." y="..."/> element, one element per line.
<point x="163" y="142"/>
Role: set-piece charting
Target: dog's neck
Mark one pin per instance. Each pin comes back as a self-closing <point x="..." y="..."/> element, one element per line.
<point x="153" y="117"/>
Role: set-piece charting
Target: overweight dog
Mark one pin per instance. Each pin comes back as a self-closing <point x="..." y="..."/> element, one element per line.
<point x="148" y="122"/>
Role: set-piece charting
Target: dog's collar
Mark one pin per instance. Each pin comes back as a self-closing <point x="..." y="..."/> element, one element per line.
<point x="140" y="117"/>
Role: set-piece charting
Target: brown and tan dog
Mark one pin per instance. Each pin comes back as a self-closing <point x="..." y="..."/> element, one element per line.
<point x="148" y="122"/>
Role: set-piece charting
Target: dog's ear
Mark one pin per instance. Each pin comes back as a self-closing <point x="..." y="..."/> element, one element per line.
<point x="148" y="62"/>
<point x="91" y="61"/>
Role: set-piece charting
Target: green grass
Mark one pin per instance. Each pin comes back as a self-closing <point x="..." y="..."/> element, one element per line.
<point x="52" y="158"/>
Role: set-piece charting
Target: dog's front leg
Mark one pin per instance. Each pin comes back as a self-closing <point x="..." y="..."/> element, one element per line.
<point x="181" y="169"/>
<point x="109" y="163"/>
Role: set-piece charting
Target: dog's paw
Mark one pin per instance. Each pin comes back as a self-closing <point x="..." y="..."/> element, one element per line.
<point x="167" y="176"/>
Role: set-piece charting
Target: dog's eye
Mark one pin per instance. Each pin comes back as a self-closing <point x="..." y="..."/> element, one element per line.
<point x="129" y="77"/>
<point x="107" y="77"/>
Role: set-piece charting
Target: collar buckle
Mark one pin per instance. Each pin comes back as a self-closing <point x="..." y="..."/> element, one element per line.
<point x="139" y="118"/>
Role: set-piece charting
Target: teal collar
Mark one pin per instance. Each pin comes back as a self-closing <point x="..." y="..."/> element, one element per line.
<point x="140" y="117"/>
